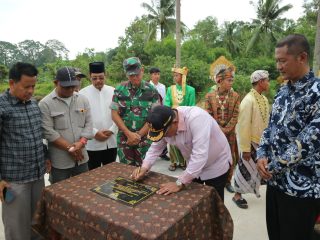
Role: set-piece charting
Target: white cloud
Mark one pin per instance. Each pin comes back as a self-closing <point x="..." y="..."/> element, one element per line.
<point x="99" y="23"/>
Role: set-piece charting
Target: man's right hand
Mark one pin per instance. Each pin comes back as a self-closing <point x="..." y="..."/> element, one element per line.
<point x="246" y="156"/>
<point x="101" y="136"/>
<point x="3" y="185"/>
<point x="138" y="173"/>
<point x="262" y="166"/>
<point x="76" y="151"/>
<point x="133" y="138"/>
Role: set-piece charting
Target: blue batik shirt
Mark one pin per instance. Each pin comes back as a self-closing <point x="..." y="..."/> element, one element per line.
<point x="291" y="143"/>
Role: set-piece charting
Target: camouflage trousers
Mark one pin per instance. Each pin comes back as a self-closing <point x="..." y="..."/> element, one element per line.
<point x="176" y="156"/>
<point x="132" y="155"/>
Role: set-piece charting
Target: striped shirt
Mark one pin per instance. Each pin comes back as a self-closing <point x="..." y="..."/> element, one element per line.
<point x="21" y="148"/>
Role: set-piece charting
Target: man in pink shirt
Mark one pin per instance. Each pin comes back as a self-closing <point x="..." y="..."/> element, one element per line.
<point x="200" y="140"/>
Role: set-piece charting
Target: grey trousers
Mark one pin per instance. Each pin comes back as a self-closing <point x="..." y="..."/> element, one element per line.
<point x="58" y="175"/>
<point x="17" y="215"/>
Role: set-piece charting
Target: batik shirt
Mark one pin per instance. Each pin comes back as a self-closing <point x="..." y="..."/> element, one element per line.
<point x="133" y="105"/>
<point x="291" y="142"/>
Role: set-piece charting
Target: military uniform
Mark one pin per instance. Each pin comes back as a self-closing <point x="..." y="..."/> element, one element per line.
<point x="133" y="105"/>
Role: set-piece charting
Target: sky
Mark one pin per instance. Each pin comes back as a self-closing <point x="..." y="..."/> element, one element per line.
<point x="98" y="24"/>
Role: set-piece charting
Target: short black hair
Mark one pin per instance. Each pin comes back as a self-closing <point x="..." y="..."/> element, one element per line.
<point x="154" y="70"/>
<point x="296" y="43"/>
<point x="20" y="68"/>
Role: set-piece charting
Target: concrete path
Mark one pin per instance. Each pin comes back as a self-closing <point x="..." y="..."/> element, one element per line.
<point x="249" y="223"/>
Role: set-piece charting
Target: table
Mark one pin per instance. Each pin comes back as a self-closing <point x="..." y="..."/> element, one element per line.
<point x="71" y="209"/>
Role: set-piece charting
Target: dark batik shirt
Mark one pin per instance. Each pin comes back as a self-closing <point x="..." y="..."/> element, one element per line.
<point x="133" y="105"/>
<point x="292" y="140"/>
<point x="21" y="148"/>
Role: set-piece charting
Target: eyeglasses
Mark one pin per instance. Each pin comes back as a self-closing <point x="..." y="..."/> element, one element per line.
<point x="97" y="78"/>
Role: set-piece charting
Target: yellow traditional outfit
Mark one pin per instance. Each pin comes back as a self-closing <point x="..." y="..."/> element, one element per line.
<point x="224" y="108"/>
<point x="179" y="95"/>
<point x="253" y="119"/>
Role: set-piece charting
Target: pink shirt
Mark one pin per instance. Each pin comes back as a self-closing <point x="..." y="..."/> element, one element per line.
<point x="201" y="142"/>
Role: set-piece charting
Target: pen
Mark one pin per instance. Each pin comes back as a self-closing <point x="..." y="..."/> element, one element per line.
<point x="139" y="170"/>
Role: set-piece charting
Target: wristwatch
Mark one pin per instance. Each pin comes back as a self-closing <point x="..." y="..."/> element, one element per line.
<point x="179" y="183"/>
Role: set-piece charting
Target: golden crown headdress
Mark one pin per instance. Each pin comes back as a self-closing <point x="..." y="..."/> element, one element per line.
<point x="220" y="64"/>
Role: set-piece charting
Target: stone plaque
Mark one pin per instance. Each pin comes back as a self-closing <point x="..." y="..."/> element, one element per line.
<point x="125" y="191"/>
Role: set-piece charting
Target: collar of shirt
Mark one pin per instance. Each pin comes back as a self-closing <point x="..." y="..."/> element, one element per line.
<point x="301" y="83"/>
<point x="13" y="99"/>
<point x="55" y="95"/>
<point x="142" y="85"/>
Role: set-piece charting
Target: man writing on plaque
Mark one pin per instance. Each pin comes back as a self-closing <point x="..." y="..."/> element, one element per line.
<point x="206" y="150"/>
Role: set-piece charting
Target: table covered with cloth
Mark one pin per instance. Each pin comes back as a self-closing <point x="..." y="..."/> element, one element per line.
<point x="71" y="209"/>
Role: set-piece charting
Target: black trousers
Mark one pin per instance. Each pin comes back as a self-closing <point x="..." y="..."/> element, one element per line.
<point x="290" y="218"/>
<point x="218" y="183"/>
<point x="96" y="158"/>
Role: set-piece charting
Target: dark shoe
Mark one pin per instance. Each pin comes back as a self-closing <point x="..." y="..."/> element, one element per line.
<point x="229" y="188"/>
<point x="165" y="157"/>
<point x="183" y="167"/>
<point x="172" y="167"/>
<point x="241" y="203"/>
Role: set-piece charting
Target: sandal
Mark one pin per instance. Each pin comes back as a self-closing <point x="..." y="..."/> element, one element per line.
<point x="241" y="203"/>
<point x="183" y="167"/>
<point x="172" y="167"/>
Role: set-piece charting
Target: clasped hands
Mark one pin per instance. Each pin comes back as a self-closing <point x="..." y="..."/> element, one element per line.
<point x="75" y="150"/>
<point x="133" y="138"/>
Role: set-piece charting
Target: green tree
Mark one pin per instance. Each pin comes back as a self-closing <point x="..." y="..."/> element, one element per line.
<point x="165" y="47"/>
<point x="8" y="53"/>
<point x="231" y="37"/>
<point x="3" y="72"/>
<point x="58" y="48"/>
<point x="161" y="16"/>
<point x="207" y="31"/>
<point x="267" y="23"/>
<point x="31" y="51"/>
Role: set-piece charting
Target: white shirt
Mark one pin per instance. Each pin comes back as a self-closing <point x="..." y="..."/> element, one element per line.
<point x="101" y="115"/>
<point x="160" y="88"/>
<point x="200" y="141"/>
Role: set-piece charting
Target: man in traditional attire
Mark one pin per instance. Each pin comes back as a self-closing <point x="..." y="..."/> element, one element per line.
<point x="102" y="149"/>
<point x="131" y="103"/>
<point x="253" y="119"/>
<point x="179" y="94"/>
<point x="222" y="104"/>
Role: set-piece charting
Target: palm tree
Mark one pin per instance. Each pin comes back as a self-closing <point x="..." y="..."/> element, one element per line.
<point x="231" y="36"/>
<point x="161" y="16"/>
<point x="267" y="22"/>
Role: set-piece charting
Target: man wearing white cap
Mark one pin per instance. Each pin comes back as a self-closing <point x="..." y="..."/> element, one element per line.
<point x="253" y="119"/>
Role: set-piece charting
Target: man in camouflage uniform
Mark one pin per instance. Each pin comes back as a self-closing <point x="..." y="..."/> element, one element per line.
<point x="131" y="103"/>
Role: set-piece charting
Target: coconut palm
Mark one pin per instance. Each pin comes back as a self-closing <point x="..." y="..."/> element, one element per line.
<point x="161" y="16"/>
<point x="267" y="22"/>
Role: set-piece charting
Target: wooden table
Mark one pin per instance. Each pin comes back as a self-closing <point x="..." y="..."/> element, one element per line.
<point x="72" y="210"/>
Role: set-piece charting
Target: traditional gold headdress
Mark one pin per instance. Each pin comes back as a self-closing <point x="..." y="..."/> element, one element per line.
<point x="217" y="68"/>
<point x="184" y="72"/>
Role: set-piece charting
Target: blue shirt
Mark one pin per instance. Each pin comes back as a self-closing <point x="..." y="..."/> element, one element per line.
<point x="291" y="142"/>
<point x="21" y="148"/>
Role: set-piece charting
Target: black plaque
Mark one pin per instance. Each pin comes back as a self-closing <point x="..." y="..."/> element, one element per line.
<point x="125" y="191"/>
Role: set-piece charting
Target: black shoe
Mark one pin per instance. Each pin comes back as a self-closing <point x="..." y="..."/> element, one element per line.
<point x="241" y="203"/>
<point x="229" y="188"/>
